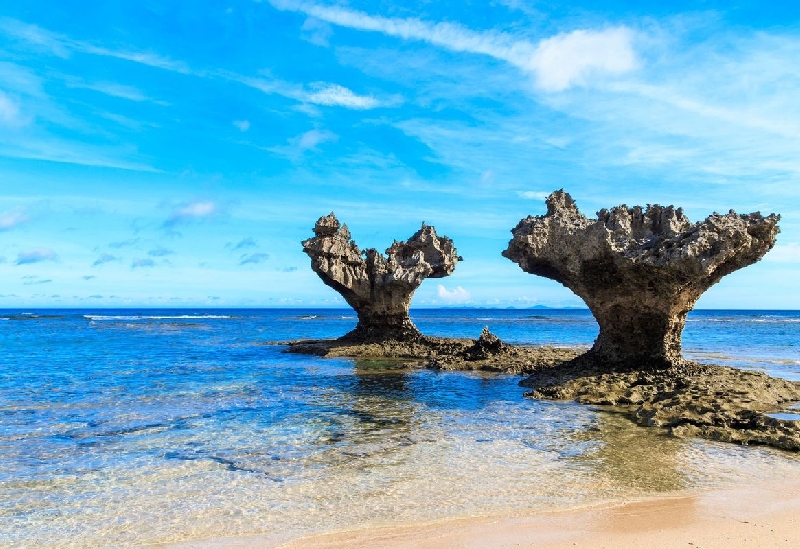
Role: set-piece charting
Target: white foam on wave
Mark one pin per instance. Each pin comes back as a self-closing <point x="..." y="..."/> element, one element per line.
<point x="155" y="317"/>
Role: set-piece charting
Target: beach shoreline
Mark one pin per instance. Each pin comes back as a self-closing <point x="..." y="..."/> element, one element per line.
<point x="765" y="515"/>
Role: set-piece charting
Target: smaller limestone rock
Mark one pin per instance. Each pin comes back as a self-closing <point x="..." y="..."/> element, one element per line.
<point x="379" y="287"/>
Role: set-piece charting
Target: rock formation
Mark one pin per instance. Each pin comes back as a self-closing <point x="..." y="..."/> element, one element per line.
<point x="640" y="270"/>
<point x="379" y="288"/>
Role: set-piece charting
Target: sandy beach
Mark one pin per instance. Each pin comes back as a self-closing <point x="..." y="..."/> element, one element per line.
<point x="763" y="516"/>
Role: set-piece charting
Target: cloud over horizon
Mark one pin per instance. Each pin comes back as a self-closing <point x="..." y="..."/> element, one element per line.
<point x="456" y="295"/>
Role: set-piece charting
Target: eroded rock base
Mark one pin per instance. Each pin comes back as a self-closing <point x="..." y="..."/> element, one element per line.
<point x="690" y="399"/>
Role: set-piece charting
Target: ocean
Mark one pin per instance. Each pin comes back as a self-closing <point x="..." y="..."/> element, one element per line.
<point x="135" y="427"/>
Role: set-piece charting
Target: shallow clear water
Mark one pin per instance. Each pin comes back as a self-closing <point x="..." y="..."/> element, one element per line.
<point x="133" y="427"/>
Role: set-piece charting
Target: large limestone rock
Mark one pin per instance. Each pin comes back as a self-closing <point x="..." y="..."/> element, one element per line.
<point x="640" y="270"/>
<point x="379" y="288"/>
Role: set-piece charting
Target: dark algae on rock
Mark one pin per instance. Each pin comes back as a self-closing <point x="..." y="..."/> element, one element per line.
<point x="379" y="288"/>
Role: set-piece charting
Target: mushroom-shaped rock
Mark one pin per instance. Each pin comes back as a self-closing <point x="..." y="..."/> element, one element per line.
<point x="640" y="270"/>
<point x="379" y="287"/>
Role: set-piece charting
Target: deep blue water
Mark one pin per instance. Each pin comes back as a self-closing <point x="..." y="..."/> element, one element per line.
<point x="148" y="426"/>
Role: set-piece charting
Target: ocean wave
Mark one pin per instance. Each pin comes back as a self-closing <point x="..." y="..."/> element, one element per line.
<point x="154" y="317"/>
<point x="763" y="320"/>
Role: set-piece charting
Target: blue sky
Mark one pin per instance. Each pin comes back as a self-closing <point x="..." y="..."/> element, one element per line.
<point x="176" y="153"/>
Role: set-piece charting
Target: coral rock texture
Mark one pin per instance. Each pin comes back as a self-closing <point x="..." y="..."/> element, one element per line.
<point x="379" y="288"/>
<point x="639" y="270"/>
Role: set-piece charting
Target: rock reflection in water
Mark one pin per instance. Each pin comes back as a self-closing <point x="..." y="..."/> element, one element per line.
<point x="375" y="415"/>
<point x="633" y="457"/>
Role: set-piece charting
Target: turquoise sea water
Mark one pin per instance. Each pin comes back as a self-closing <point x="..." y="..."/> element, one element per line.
<point x="134" y="427"/>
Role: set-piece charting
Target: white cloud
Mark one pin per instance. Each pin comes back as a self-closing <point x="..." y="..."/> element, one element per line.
<point x="334" y="95"/>
<point x="456" y="295"/>
<point x="192" y="211"/>
<point x="312" y="138"/>
<point x="243" y="125"/>
<point x="568" y="59"/>
<point x="12" y="218"/>
<point x="533" y="195"/>
<point x="784" y="253"/>
<point x="558" y="62"/>
<point x="36" y="255"/>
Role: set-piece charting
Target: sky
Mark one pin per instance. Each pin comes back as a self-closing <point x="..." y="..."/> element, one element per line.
<point x="175" y="154"/>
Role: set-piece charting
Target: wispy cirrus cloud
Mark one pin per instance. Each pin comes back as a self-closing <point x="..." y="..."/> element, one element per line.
<point x="335" y="95"/>
<point x="318" y="93"/>
<point x="113" y="89"/>
<point x="11" y="219"/>
<point x="64" y="46"/>
<point x="36" y="255"/>
<point x="557" y="63"/>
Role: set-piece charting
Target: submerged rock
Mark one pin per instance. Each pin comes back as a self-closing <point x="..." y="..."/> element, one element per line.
<point x="640" y="270"/>
<point x="379" y="288"/>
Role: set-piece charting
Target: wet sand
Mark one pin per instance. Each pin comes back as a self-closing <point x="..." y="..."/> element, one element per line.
<point x="762" y="516"/>
<point x="765" y="517"/>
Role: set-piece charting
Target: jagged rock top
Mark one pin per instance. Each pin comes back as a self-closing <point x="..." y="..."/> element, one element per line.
<point x="655" y="235"/>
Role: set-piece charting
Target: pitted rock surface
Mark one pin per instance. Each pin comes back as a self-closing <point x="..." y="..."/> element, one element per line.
<point x="639" y="270"/>
<point x="379" y="287"/>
